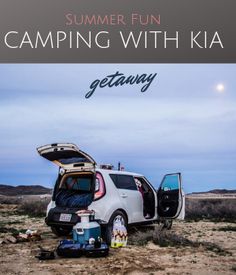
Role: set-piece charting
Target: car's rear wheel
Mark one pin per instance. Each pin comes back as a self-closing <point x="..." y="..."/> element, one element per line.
<point x="116" y="216"/>
<point x="61" y="231"/>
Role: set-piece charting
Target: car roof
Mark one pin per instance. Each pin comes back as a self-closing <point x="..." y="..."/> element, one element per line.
<point x="117" y="172"/>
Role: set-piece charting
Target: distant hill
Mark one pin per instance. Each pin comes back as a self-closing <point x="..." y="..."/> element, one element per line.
<point x="8" y="190"/>
<point x="19" y="190"/>
<point x="214" y="193"/>
<point x="217" y="191"/>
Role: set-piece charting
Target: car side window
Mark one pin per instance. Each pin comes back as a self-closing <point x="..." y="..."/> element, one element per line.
<point x="124" y="182"/>
<point x="170" y="182"/>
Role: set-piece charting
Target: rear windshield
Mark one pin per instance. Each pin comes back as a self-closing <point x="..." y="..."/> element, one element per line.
<point x="77" y="183"/>
<point x="73" y="160"/>
<point x="66" y="157"/>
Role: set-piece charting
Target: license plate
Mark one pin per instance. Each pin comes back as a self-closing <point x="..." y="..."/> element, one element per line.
<point x="65" y="217"/>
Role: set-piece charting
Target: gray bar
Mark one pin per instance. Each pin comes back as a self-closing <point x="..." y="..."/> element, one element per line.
<point x="48" y="21"/>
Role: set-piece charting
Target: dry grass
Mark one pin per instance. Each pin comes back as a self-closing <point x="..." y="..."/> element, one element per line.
<point x="216" y="209"/>
<point x="213" y="252"/>
<point x="27" y="205"/>
<point x="166" y="238"/>
<point x="212" y="209"/>
<point x="33" y="208"/>
<point x="159" y="236"/>
<point x="228" y="228"/>
<point x="10" y="200"/>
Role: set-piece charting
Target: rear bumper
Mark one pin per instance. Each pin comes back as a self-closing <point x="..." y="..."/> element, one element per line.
<point x="58" y="223"/>
<point x="53" y="218"/>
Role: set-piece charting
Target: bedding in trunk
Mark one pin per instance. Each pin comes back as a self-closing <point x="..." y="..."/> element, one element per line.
<point x="71" y="198"/>
<point x="76" y="190"/>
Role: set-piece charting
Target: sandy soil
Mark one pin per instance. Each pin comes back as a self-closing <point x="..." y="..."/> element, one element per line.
<point x="20" y="258"/>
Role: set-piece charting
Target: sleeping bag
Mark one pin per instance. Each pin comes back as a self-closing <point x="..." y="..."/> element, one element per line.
<point x="71" y="198"/>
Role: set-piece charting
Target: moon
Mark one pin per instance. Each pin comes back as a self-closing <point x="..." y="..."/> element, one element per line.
<point x="220" y="88"/>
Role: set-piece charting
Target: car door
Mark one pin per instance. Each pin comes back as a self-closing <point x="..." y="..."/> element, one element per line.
<point x="170" y="197"/>
<point x="130" y="198"/>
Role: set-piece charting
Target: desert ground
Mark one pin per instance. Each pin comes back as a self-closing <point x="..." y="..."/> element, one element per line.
<point x="205" y="247"/>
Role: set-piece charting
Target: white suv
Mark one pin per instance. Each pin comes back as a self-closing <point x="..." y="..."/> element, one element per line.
<point x="112" y="194"/>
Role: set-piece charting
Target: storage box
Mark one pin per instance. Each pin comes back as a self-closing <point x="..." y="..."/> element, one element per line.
<point x="82" y="232"/>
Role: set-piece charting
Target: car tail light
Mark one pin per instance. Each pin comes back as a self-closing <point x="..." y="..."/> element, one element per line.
<point x="99" y="187"/>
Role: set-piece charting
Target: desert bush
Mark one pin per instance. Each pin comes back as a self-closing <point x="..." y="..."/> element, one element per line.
<point x="227" y="228"/>
<point x="12" y="230"/>
<point x="157" y="235"/>
<point x="140" y="237"/>
<point x="168" y="238"/>
<point x="33" y="208"/>
<point x="214" y="248"/>
<point x="164" y="238"/>
<point x="10" y="200"/>
<point x="216" y="209"/>
<point x="233" y="268"/>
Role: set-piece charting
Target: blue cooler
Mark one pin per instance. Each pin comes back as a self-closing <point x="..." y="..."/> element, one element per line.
<point x="85" y="229"/>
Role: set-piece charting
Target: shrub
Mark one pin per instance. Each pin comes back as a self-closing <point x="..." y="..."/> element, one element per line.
<point x="141" y="237"/>
<point x="168" y="238"/>
<point x="233" y="268"/>
<point x="227" y="228"/>
<point x="33" y="208"/>
<point x="10" y="200"/>
<point x="217" y="209"/>
<point x="164" y="238"/>
<point x="159" y="236"/>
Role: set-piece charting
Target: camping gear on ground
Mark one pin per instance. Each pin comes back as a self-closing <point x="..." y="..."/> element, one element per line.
<point x="119" y="235"/>
<point x="86" y="238"/>
<point x="45" y="254"/>
<point x="96" y="250"/>
<point x="70" y="249"/>
<point x="86" y="229"/>
<point x="28" y="236"/>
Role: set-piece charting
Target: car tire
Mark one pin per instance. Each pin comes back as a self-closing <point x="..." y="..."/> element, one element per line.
<point x="107" y="231"/>
<point x="61" y="231"/>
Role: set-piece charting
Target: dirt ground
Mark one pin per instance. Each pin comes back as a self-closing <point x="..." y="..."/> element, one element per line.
<point x="20" y="258"/>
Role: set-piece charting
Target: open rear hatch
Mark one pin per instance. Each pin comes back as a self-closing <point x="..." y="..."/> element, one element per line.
<point x="75" y="186"/>
<point x="68" y="156"/>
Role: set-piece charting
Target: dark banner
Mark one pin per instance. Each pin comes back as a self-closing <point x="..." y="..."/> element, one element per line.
<point x="117" y="31"/>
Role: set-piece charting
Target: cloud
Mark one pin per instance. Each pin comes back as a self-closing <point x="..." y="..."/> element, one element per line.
<point x="179" y="124"/>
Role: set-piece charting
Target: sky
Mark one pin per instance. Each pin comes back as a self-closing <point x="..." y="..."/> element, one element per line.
<point x="185" y="122"/>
